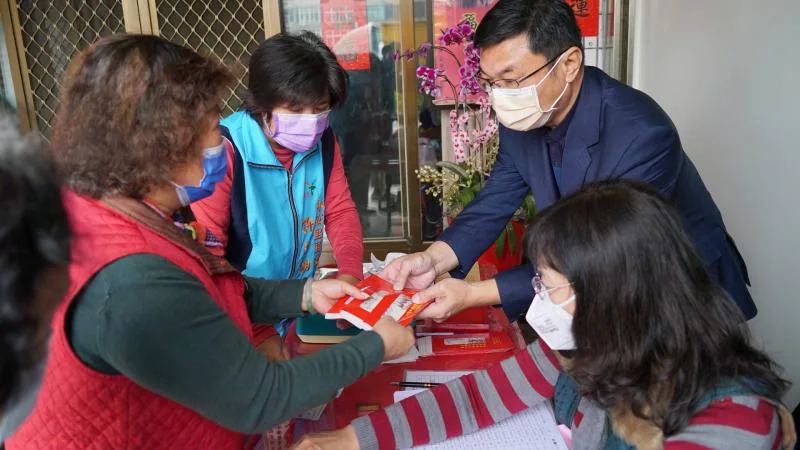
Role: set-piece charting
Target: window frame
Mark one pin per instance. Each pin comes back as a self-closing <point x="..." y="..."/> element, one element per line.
<point x="408" y="156"/>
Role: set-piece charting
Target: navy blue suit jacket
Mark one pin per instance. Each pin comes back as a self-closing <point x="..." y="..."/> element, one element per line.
<point x="616" y="132"/>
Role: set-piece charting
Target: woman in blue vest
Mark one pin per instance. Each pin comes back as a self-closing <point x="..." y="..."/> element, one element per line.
<point x="286" y="184"/>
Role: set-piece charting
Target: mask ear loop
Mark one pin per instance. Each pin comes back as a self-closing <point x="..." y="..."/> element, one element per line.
<point x="180" y="191"/>
<point x="555" y="102"/>
<point x="547" y="75"/>
<point x="264" y="121"/>
<point x="561" y="305"/>
<point x="545" y="295"/>
<point x="563" y="91"/>
<point x="211" y="152"/>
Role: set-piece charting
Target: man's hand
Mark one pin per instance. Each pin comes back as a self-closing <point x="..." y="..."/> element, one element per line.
<point x="418" y="270"/>
<point x="341" y="439"/>
<point x="274" y="349"/>
<point x="397" y="339"/>
<point x="324" y="293"/>
<point x="452" y="295"/>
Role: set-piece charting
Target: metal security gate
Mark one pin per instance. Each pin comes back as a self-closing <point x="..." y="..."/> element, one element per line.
<point x="48" y="33"/>
<point x="230" y="30"/>
<point x="41" y="36"/>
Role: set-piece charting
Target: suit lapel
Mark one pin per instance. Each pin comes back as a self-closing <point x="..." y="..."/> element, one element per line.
<point x="583" y="132"/>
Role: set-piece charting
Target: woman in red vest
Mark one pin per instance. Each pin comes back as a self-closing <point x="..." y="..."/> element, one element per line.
<point x="151" y="347"/>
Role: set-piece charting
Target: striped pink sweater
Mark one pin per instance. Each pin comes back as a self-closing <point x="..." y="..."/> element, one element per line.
<point x="485" y="397"/>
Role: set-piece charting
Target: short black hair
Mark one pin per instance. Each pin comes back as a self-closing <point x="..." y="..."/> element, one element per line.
<point x="34" y="236"/>
<point x="550" y="25"/>
<point x="296" y="70"/>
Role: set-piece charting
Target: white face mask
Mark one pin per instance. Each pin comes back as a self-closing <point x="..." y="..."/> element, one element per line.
<point x="519" y="109"/>
<point x="551" y="322"/>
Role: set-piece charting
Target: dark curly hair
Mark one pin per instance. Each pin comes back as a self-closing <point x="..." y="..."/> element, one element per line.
<point x="296" y="70"/>
<point x="132" y="109"/>
<point x="652" y="331"/>
<point x="34" y="237"/>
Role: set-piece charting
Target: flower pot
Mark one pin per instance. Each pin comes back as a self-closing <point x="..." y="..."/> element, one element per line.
<point x="509" y="255"/>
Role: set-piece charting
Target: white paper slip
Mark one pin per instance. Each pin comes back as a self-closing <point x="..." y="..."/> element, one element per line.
<point x="426" y="376"/>
<point x="366" y="267"/>
<point x="378" y="265"/>
<point x="325" y="272"/>
<point x="434" y="376"/>
<point x="402" y="395"/>
<point x="534" y="428"/>
<point x="411" y="356"/>
<point x="425" y="346"/>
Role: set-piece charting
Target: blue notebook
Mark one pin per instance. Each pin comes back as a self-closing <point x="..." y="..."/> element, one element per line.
<point x="317" y="329"/>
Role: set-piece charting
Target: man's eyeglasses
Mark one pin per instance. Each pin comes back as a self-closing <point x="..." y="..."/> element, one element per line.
<point x="488" y="85"/>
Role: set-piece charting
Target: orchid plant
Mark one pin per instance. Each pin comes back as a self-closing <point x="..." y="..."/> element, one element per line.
<point x="473" y="127"/>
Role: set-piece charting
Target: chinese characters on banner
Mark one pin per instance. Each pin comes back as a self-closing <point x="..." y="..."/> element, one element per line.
<point x="346" y="31"/>
<point x="587" y="12"/>
<point x="450" y="12"/>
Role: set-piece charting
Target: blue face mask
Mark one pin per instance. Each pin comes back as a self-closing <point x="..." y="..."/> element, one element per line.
<point x="215" y="164"/>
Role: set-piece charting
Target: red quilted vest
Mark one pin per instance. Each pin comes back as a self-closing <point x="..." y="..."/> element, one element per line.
<point x="80" y="408"/>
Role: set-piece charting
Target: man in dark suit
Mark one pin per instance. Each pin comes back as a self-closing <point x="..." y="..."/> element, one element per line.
<point x="564" y="125"/>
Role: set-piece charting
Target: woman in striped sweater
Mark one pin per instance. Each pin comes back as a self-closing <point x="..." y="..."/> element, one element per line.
<point x="638" y="347"/>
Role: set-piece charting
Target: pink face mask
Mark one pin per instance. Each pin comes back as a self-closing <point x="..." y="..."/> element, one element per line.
<point x="297" y="132"/>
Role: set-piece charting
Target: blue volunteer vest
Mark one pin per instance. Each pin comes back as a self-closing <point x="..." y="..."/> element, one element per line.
<point x="285" y="211"/>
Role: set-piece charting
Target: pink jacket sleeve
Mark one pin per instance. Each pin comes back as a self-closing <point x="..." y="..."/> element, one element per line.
<point x="342" y="223"/>
<point x="215" y="211"/>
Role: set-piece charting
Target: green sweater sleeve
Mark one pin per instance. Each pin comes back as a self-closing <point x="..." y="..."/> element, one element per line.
<point x="268" y="301"/>
<point x="150" y="321"/>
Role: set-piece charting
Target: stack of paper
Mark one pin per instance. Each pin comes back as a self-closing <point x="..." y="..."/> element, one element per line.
<point x="411" y="356"/>
<point x="532" y="428"/>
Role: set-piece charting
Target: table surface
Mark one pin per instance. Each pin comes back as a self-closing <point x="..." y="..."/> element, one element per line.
<point x="376" y="387"/>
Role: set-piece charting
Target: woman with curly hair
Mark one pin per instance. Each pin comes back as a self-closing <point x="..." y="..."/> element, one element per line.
<point x="637" y="347"/>
<point x="152" y="345"/>
<point x="34" y="256"/>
